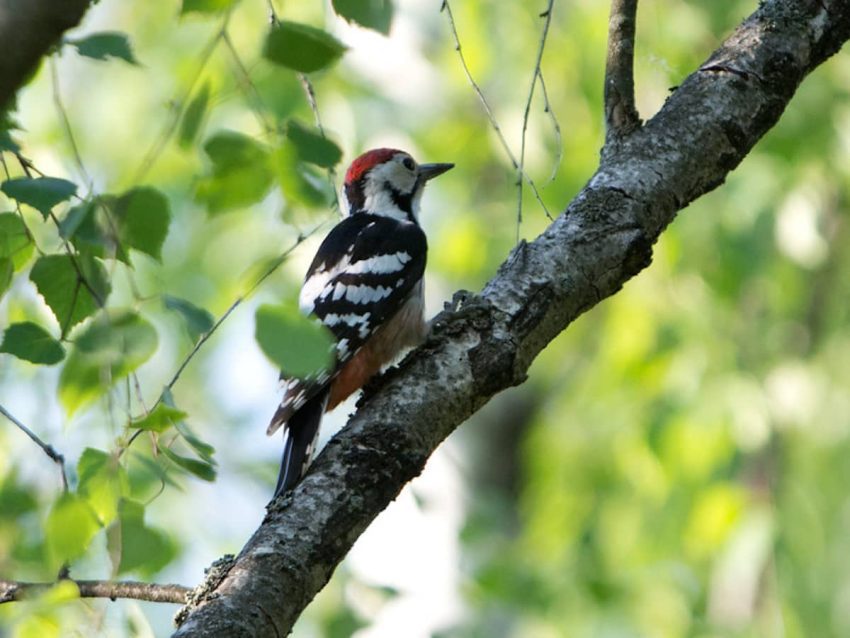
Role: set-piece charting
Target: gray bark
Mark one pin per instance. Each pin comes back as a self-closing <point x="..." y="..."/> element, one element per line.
<point x="603" y="238"/>
<point x="28" y="28"/>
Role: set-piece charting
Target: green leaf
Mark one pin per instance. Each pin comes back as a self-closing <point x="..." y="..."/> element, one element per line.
<point x="142" y="216"/>
<point x="70" y="527"/>
<point x="16" y="498"/>
<point x="141" y="548"/>
<point x="7" y="125"/>
<point x="240" y="176"/>
<point x="33" y="343"/>
<point x="111" y="347"/>
<point x="42" y="193"/>
<point x="205" y="6"/>
<point x="104" y="45"/>
<point x="312" y="146"/>
<point x="301" y="47"/>
<point x="59" y="282"/>
<point x="193" y="116"/>
<point x="296" y="181"/>
<point x="162" y="418"/>
<point x="198" y="321"/>
<point x="7" y="269"/>
<point x="102" y="482"/>
<point x="82" y="226"/>
<point x="204" y="449"/>
<point x="372" y="14"/>
<point x="15" y="242"/>
<point x="204" y="470"/>
<point x="299" y="345"/>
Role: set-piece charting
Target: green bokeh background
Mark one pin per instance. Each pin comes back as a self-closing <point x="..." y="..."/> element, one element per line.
<point x="676" y="464"/>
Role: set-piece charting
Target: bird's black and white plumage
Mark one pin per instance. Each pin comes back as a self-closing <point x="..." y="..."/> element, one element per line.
<point x="365" y="286"/>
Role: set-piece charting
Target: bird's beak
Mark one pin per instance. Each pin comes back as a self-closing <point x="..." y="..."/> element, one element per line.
<point x="430" y="171"/>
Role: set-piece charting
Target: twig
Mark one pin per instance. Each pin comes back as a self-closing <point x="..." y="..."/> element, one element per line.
<point x="559" y="138"/>
<point x="547" y="15"/>
<point x="28" y="167"/>
<point x="48" y="449"/>
<point x="66" y="124"/>
<point x="11" y="590"/>
<point x="489" y="111"/>
<point x="246" y="84"/>
<point x="621" y="116"/>
<point x="205" y="337"/>
<point x="18" y="210"/>
<point x="314" y="106"/>
<point x="168" y="130"/>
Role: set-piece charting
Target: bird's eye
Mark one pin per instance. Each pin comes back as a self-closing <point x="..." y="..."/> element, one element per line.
<point x="408" y="164"/>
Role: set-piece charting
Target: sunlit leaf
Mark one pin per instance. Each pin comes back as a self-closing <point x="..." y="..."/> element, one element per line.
<point x="33" y="343"/>
<point x="160" y="419"/>
<point x="102" y="482"/>
<point x="111" y="347"/>
<point x="299" y="345"/>
<point x="142" y="549"/>
<point x="193" y="116"/>
<point x="301" y="47"/>
<point x="206" y="6"/>
<point x="372" y="14"/>
<point x="15" y="242"/>
<point x="240" y="176"/>
<point x="312" y="146"/>
<point x="73" y="287"/>
<point x="70" y="527"/>
<point x="141" y="217"/>
<point x="42" y="193"/>
<point x="108" y="44"/>
<point x="197" y="320"/>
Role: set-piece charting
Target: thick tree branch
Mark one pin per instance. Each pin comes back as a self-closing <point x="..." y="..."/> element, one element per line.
<point x="485" y="345"/>
<point x="14" y="590"/>
<point x="28" y="30"/>
<point x="621" y="116"/>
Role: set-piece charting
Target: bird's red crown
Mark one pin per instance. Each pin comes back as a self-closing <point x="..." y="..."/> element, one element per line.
<point x="368" y="160"/>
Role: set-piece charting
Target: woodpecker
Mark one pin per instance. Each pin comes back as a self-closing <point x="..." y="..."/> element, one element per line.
<point x="365" y="285"/>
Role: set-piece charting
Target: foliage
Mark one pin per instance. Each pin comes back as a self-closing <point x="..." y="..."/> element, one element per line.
<point x="677" y="467"/>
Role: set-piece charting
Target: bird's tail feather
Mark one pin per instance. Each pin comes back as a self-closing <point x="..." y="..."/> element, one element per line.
<point x="300" y="434"/>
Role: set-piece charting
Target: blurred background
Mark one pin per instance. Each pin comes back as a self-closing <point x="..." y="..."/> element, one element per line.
<point x="676" y="464"/>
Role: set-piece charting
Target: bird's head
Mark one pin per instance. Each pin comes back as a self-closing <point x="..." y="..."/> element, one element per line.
<point x="389" y="182"/>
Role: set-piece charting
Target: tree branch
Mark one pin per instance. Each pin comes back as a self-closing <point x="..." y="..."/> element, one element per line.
<point x="621" y="116"/>
<point x="48" y="449"/>
<point x="487" y="342"/>
<point x="14" y="590"/>
<point x="27" y="31"/>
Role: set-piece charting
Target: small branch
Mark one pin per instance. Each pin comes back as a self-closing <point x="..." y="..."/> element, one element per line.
<point x="178" y="104"/>
<point x="48" y="449"/>
<point x="310" y="92"/>
<point x="547" y="16"/>
<point x="489" y="111"/>
<point x="13" y="590"/>
<point x="556" y="126"/>
<point x="621" y="116"/>
<point x="205" y="337"/>
<point x="66" y="124"/>
<point x="246" y="84"/>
